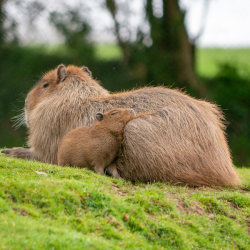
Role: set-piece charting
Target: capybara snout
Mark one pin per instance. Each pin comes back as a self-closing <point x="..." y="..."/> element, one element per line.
<point x="97" y="147"/>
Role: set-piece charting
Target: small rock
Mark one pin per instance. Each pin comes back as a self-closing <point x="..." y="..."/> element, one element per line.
<point x="42" y="173"/>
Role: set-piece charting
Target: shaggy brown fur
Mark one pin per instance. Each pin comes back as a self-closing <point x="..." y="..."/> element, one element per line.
<point x="96" y="147"/>
<point x="183" y="141"/>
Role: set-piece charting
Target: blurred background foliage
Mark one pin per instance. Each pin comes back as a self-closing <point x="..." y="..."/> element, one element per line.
<point x="157" y="52"/>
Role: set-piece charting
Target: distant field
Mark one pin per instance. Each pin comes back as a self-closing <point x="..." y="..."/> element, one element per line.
<point x="208" y="59"/>
<point x="107" y="52"/>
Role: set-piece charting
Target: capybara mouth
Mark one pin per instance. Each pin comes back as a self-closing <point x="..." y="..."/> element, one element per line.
<point x="26" y="119"/>
<point x="20" y="120"/>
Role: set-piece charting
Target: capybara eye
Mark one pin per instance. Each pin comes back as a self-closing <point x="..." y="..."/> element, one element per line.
<point x="45" y="85"/>
<point x="114" y="113"/>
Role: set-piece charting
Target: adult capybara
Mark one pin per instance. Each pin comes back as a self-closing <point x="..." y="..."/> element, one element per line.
<point x="96" y="147"/>
<point x="182" y="140"/>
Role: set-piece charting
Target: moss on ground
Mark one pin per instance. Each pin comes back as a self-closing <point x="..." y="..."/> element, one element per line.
<point x="74" y="208"/>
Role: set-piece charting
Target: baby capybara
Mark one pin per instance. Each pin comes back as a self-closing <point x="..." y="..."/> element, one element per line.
<point x="96" y="147"/>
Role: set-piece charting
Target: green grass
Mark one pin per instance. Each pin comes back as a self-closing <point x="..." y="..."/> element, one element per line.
<point x="107" y="52"/>
<point x="209" y="60"/>
<point x="77" y="209"/>
<point x="102" y="51"/>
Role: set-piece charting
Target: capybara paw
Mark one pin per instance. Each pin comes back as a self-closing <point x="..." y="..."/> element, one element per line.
<point x="14" y="152"/>
<point x="99" y="170"/>
<point x="112" y="171"/>
<point x="116" y="176"/>
<point x="6" y="151"/>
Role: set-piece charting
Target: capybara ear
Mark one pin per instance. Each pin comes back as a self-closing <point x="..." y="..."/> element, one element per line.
<point x="86" y="70"/>
<point x="99" y="117"/>
<point x="61" y="73"/>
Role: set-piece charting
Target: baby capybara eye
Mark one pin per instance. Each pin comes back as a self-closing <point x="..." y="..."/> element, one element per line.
<point x="99" y="116"/>
<point x="114" y="113"/>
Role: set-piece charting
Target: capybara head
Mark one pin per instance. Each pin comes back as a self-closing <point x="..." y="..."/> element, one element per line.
<point x="59" y="81"/>
<point x="116" y="119"/>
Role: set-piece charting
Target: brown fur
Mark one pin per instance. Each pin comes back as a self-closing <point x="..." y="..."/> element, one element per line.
<point x="181" y="141"/>
<point x="96" y="147"/>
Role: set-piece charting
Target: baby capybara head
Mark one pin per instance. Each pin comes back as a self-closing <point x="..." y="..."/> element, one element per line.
<point x="116" y="118"/>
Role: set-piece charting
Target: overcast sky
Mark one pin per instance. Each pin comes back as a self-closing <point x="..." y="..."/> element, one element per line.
<point x="227" y="21"/>
<point x="227" y="24"/>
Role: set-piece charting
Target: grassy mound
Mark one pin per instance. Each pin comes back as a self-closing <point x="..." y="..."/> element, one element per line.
<point x="49" y="207"/>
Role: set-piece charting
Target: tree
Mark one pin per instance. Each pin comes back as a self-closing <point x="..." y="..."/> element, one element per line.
<point x="171" y="54"/>
<point x="75" y="30"/>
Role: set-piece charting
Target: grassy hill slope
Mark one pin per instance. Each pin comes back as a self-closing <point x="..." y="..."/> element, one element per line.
<point x="77" y="209"/>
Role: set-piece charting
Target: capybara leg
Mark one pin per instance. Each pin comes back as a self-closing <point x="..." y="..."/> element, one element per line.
<point x="24" y="153"/>
<point x="99" y="170"/>
<point x="112" y="170"/>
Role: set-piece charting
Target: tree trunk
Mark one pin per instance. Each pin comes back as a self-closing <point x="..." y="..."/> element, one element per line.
<point x="1" y="23"/>
<point x="172" y="54"/>
<point x="111" y="6"/>
<point x="174" y="40"/>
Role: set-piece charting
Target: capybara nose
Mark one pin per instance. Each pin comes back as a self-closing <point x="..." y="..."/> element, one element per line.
<point x="3" y="151"/>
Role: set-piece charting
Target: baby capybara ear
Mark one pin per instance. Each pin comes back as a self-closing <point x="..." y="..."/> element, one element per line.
<point x="61" y="73"/>
<point x="99" y="117"/>
<point x="132" y="112"/>
<point x="86" y="70"/>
